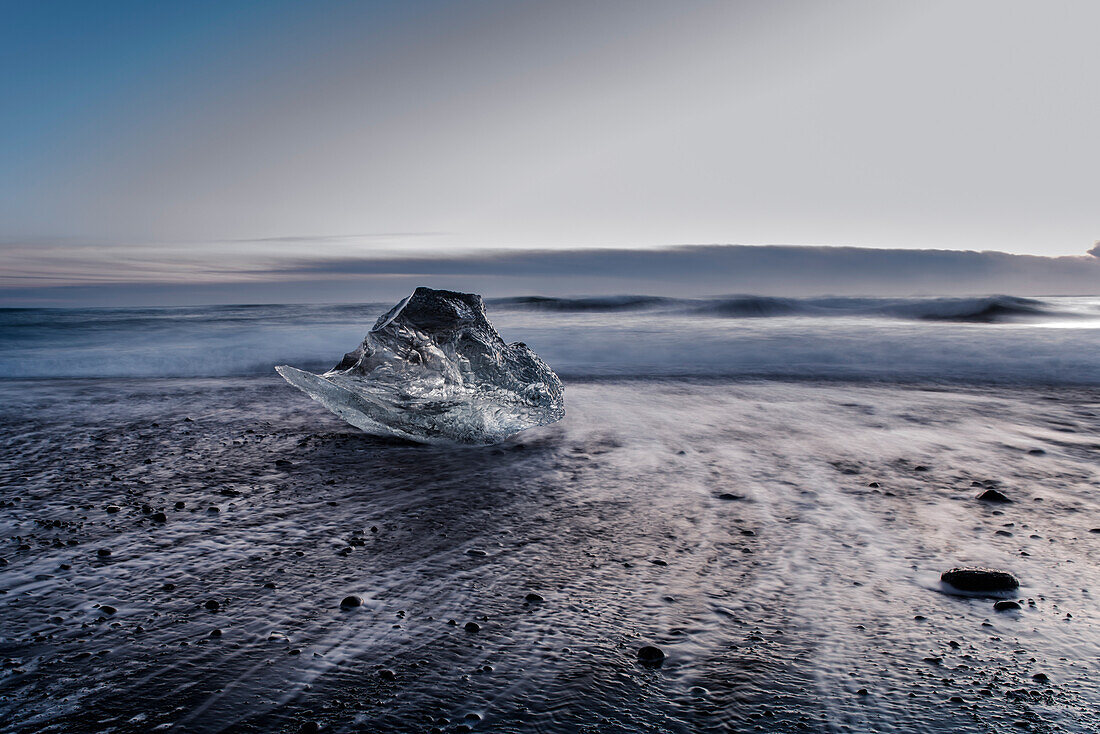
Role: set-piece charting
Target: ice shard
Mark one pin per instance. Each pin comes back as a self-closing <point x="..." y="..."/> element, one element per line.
<point x="434" y="370"/>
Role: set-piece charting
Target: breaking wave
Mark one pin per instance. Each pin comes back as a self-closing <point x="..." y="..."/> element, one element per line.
<point x="984" y="309"/>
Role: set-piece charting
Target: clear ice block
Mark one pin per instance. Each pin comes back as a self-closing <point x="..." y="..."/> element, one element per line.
<point x="434" y="370"/>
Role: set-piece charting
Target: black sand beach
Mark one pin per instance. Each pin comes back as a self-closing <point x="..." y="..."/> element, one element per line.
<point x="176" y="551"/>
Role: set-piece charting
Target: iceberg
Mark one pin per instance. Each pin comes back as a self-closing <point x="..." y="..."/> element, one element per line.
<point x="434" y="370"/>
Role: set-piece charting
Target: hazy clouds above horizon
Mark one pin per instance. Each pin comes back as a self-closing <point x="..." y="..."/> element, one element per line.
<point x="198" y="141"/>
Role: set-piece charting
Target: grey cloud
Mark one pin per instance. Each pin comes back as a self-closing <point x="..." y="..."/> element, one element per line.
<point x="678" y="271"/>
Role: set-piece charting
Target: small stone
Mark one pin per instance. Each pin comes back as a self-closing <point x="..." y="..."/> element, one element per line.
<point x="1095" y="530"/>
<point x="112" y="509"/>
<point x="730" y="497"/>
<point x="215" y="633"/>
<point x="269" y="585"/>
<point x="992" y="495"/>
<point x="658" y="562"/>
<point x="863" y="692"/>
<point x="213" y="605"/>
<point x="651" y="656"/>
<point x="351" y="601"/>
<point x="284" y="464"/>
<point x="107" y="609"/>
<point x="472" y="627"/>
<point x="1037" y="452"/>
<point x="980" y="579"/>
<point x="309" y="727"/>
<point x="103" y="552"/>
<point x="1041" y="678"/>
<point x="180" y="505"/>
<point x="1006" y="606"/>
<point x="159" y="517"/>
<point x="476" y="552"/>
<point x="534" y="598"/>
<point x="386" y="674"/>
<point x="168" y="587"/>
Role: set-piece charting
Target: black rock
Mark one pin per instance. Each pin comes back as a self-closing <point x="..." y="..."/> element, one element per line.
<point x="107" y="609"/>
<point x="283" y="463"/>
<point x="650" y="655"/>
<point x="159" y="517"/>
<point x="215" y="633"/>
<point x="386" y="674"/>
<point x="980" y="579"/>
<point x="168" y="587"/>
<point x="992" y="495"/>
<point x="309" y="727"/>
<point x="103" y="552"/>
<point x="212" y="605"/>
<point x="351" y="601"/>
<point x="730" y="497"/>
<point x="533" y="597"/>
<point x="658" y="562"/>
<point x="1041" y="678"/>
<point x="269" y="585"/>
<point x="112" y="509"/>
<point x="1095" y="530"/>
<point x="180" y="505"/>
<point x="1006" y="606"/>
<point x="472" y="627"/>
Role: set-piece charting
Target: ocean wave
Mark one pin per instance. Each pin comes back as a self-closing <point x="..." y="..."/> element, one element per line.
<point x="598" y="304"/>
<point x="981" y="309"/>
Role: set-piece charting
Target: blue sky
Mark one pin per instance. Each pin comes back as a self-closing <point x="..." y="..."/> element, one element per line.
<point x="220" y="142"/>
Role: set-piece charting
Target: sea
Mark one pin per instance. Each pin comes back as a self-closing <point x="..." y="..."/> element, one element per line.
<point x="988" y="339"/>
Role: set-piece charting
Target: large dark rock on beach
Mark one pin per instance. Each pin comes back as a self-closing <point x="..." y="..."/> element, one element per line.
<point x="975" y="578"/>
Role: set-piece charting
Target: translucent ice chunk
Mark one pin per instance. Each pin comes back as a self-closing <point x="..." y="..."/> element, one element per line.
<point x="433" y="369"/>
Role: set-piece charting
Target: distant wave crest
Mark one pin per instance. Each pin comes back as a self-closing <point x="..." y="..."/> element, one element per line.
<point x="986" y="309"/>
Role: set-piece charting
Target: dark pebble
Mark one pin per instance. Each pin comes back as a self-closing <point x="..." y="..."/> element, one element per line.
<point x="472" y="627"/>
<point x="180" y="505"/>
<point x="386" y="674"/>
<point x="1037" y="452"/>
<point x="309" y="727"/>
<point x="351" y="601"/>
<point x="103" y="552"/>
<point x="658" y="562"/>
<point x="992" y="495"/>
<point x="159" y="517"/>
<point x="980" y="579"/>
<point x="112" y="509"/>
<point x="730" y="497"/>
<point x="107" y="609"/>
<point x="269" y="585"/>
<point x="1095" y="530"/>
<point x="650" y="655"/>
<point x="1041" y="678"/>
<point x="284" y="464"/>
<point x="212" y="605"/>
<point x="533" y="597"/>
<point x="1006" y="606"/>
<point x="215" y="633"/>
<point x="168" y="587"/>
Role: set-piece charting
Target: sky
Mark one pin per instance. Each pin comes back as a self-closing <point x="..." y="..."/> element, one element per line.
<point x="206" y="144"/>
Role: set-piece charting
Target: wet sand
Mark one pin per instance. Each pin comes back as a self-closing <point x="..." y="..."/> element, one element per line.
<point x="780" y="542"/>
